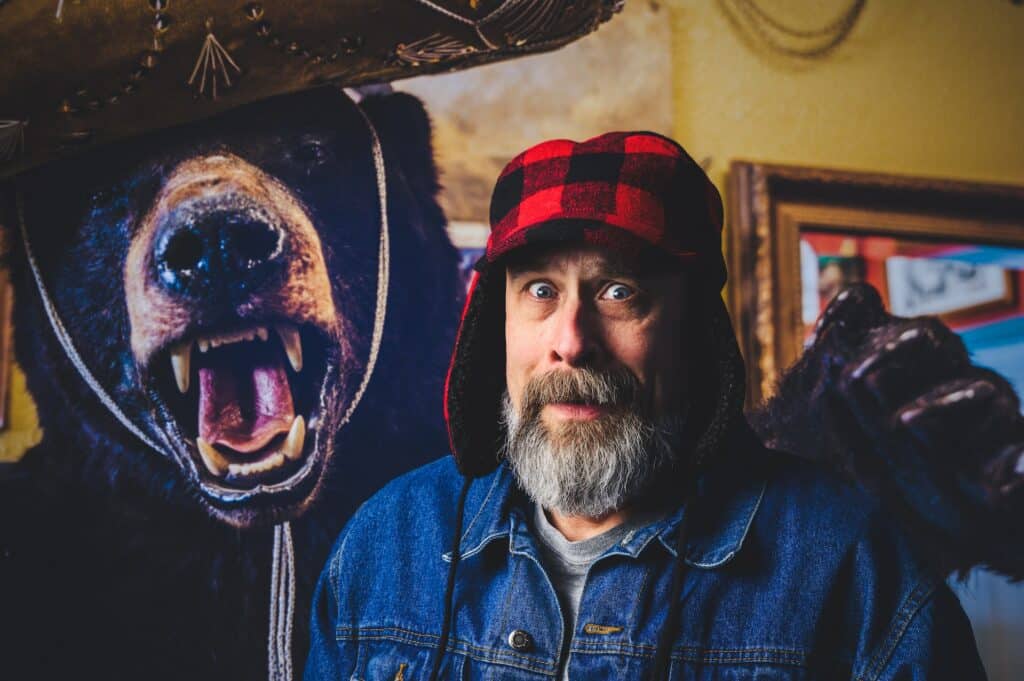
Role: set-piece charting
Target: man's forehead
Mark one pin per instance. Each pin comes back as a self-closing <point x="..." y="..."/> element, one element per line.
<point x="591" y="259"/>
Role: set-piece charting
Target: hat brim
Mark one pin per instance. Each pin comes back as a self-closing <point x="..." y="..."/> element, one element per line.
<point x="103" y="71"/>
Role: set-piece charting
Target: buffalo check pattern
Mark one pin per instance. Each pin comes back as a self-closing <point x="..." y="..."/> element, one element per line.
<point x="622" y="190"/>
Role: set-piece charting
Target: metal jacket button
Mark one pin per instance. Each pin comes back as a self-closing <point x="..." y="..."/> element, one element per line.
<point x="520" y="640"/>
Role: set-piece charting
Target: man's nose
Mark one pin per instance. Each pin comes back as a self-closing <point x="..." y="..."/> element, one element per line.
<point x="575" y="340"/>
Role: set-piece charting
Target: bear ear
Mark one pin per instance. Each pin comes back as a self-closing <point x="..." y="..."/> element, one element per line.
<point x="404" y="129"/>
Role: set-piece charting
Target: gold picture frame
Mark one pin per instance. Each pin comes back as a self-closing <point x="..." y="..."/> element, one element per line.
<point x="770" y="205"/>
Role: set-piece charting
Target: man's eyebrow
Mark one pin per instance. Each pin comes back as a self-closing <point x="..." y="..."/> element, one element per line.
<point x="533" y="263"/>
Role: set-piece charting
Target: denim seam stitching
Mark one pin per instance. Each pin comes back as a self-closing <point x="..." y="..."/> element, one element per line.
<point x="710" y="655"/>
<point x="430" y="640"/>
<point x="901" y="622"/>
<point x="334" y="571"/>
<point x="447" y="555"/>
<point x="743" y="537"/>
<point x="643" y="646"/>
<point x="483" y="505"/>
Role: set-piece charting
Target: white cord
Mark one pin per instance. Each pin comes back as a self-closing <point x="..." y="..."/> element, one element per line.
<point x="383" y="269"/>
<point x="282" y="573"/>
<point x="65" y="338"/>
<point x="282" y="605"/>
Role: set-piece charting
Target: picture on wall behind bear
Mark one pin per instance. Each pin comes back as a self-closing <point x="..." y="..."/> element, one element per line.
<point x="798" y="235"/>
<point x="974" y="288"/>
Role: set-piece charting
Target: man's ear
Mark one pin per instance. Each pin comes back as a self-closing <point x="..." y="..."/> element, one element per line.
<point x="405" y="136"/>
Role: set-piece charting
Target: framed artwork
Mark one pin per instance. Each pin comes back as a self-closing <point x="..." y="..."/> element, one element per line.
<point x="949" y="288"/>
<point x="797" y="235"/>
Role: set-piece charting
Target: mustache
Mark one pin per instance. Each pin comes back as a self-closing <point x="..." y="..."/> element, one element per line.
<point x="612" y="387"/>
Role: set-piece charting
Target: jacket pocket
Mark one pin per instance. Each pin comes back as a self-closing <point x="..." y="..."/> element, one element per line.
<point x="394" y="661"/>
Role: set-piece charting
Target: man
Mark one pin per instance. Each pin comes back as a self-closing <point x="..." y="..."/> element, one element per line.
<point x="607" y="513"/>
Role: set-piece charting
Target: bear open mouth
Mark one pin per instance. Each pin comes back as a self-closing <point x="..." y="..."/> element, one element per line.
<point x="245" y="402"/>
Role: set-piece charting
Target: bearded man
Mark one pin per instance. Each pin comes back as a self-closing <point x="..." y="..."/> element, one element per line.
<point x="606" y="512"/>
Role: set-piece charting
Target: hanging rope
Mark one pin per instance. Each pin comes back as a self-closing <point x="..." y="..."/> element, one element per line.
<point x="773" y="32"/>
<point x="383" y="269"/>
<point x="282" y="605"/>
<point x="65" y="338"/>
<point x="282" y="574"/>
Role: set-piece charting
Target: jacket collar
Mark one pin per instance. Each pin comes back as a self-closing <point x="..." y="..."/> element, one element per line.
<point x="723" y="513"/>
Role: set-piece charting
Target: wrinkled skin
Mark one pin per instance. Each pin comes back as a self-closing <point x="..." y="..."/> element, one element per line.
<point x="121" y="562"/>
<point x="896" y="404"/>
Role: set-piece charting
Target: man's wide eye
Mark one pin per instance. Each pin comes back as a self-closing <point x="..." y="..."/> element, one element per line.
<point x="617" y="292"/>
<point x="542" y="290"/>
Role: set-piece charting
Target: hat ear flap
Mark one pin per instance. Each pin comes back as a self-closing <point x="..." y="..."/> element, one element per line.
<point x="476" y="377"/>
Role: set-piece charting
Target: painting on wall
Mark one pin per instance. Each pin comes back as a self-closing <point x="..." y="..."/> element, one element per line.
<point x="940" y="286"/>
<point x="798" y="235"/>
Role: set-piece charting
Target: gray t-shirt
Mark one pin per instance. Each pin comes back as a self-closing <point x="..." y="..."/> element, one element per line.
<point x="567" y="563"/>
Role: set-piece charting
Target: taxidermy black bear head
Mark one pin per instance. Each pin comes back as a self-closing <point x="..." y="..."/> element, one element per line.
<point x="220" y="281"/>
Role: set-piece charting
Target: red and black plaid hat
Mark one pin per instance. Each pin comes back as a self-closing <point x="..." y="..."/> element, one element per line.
<point x="630" y="192"/>
<point x="622" y="190"/>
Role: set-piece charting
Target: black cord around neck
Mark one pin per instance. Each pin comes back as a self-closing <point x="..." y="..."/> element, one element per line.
<point x="667" y="635"/>
<point x="449" y="589"/>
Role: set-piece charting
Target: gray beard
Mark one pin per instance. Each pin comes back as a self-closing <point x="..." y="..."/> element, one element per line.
<point x="589" y="468"/>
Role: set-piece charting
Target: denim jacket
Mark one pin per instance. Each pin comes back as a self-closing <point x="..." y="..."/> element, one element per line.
<point x="792" y="574"/>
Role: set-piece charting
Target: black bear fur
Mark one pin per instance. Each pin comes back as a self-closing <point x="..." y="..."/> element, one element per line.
<point x="897" y="405"/>
<point x="109" y="565"/>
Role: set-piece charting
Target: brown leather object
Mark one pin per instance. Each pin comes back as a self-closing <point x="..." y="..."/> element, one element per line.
<point x="77" y="73"/>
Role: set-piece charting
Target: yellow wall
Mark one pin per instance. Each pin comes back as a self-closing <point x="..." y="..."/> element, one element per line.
<point x="923" y="87"/>
<point x="22" y="429"/>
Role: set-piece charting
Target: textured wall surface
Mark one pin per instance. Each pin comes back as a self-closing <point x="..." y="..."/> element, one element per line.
<point x="921" y="87"/>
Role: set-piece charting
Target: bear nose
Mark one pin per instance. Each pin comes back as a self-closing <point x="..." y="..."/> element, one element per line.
<point x="230" y="253"/>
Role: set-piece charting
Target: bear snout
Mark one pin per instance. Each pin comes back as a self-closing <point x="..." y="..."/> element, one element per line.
<point x="223" y="246"/>
<point x="224" y="251"/>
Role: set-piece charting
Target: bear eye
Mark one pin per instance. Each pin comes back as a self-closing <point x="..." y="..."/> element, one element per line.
<point x="310" y="153"/>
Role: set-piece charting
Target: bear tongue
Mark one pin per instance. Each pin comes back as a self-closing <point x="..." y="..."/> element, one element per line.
<point x="244" y="406"/>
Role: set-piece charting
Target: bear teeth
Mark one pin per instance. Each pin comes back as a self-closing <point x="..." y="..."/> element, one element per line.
<point x="292" y="448"/>
<point x="214" y="460"/>
<point x="292" y="344"/>
<point x="181" y="360"/>
<point x="217" y="340"/>
<point x="256" y="467"/>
